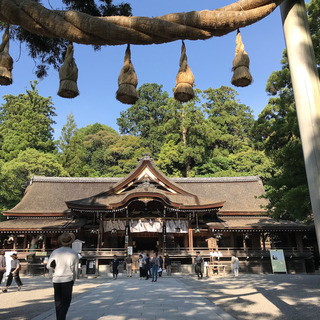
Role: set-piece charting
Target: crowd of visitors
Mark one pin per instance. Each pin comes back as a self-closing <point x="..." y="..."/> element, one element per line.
<point x="154" y="266"/>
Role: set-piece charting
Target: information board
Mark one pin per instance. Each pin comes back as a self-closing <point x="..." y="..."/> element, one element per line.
<point x="278" y="261"/>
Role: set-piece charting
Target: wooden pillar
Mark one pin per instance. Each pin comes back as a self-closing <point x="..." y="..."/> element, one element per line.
<point x="25" y="242"/>
<point x="306" y="88"/>
<point x="44" y="243"/>
<point x="185" y="241"/>
<point x="190" y="234"/>
<point x="100" y="234"/>
<point x="299" y="242"/>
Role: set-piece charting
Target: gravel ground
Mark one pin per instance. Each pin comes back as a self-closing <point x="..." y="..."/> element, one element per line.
<point x="247" y="297"/>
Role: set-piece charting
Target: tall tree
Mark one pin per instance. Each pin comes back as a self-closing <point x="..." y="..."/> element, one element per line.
<point x="146" y="117"/>
<point x="184" y="137"/>
<point x="229" y="122"/>
<point x="276" y="131"/>
<point x="26" y="122"/>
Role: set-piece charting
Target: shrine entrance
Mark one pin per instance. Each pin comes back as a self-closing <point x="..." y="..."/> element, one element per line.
<point x="146" y="242"/>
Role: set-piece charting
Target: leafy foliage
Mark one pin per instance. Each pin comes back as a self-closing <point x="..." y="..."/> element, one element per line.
<point x="26" y="122"/>
<point x="16" y="173"/>
<point x="276" y="131"/>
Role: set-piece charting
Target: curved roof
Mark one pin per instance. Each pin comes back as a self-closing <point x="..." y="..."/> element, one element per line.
<point x="146" y="182"/>
<point x="47" y="196"/>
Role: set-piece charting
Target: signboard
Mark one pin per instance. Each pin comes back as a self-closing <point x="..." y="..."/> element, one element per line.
<point x="130" y="250"/>
<point x="41" y="253"/>
<point x="278" y="261"/>
<point x="212" y="243"/>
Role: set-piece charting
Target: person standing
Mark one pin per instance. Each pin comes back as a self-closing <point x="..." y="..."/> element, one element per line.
<point x="3" y="266"/>
<point x="167" y="264"/>
<point x="160" y="266"/>
<point x="115" y="267"/>
<point x="14" y="273"/>
<point x="141" y="266"/>
<point x="64" y="262"/>
<point x="147" y="267"/>
<point x="198" y="267"/>
<point x="155" y="266"/>
<point x="129" y="265"/>
<point x="235" y="265"/>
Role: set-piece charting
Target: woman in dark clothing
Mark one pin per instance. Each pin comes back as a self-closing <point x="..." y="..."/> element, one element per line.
<point x="147" y="267"/>
<point x="160" y="266"/>
<point x="2" y="265"/>
<point x="141" y="266"/>
<point x="115" y="267"/>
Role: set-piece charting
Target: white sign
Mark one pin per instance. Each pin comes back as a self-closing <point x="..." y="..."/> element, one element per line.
<point x="146" y="226"/>
<point x="278" y="261"/>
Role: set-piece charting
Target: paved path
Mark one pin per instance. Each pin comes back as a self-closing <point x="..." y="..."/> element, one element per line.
<point x="248" y="297"/>
<point x="125" y="299"/>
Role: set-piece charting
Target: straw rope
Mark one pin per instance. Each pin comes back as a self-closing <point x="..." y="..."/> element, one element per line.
<point x="116" y="30"/>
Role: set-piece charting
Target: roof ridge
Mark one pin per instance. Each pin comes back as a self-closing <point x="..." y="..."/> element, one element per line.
<point x="116" y="179"/>
<point x="73" y="179"/>
<point x="219" y="179"/>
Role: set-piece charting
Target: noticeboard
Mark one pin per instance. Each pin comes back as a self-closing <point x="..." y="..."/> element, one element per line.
<point x="278" y="261"/>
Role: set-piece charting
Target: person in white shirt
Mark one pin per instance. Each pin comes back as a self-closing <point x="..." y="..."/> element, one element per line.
<point x="14" y="273"/>
<point x="64" y="261"/>
<point x="235" y="265"/>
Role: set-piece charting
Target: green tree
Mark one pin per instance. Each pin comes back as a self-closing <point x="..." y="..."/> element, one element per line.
<point x="184" y="138"/>
<point x="276" y="131"/>
<point x="229" y="122"/>
<point x="122" y="157"/>
<point x="16" y="173"/>
<point x="146" y="117"/>
<point x="26" y="122"/>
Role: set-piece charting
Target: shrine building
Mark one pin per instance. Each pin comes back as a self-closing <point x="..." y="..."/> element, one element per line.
<point x="147" y="211"/>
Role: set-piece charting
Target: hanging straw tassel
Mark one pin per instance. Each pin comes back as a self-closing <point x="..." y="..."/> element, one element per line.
<point x="68" y="75"/>
<point x="185" y="79"/>
<point x="127" y="81"/>
<point x="6" y="62"/>
<point x="241" y="74"/>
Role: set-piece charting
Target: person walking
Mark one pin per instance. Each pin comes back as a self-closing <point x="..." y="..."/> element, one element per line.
<point x="3" y="266"/>
<point x="235" y="265"/>
<point x="198" y="267"/>
<point x="14" y="273"/>
<point x="64" y="264"/>
<point x="115" y="267"/>
<point x="167" y="264"/>
<point x="129" y="265"/>
<point x="155" y="266"/>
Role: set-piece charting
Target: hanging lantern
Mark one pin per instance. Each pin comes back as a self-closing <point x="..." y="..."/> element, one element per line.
<point x="241" y="74"/>
<point x="6" y="62"/>
<point x="185" y="79"/>
<point x="127" y="81"/>
<point x="68" y="75"/>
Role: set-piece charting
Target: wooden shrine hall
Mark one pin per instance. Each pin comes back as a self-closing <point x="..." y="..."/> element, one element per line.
<point x="147" y="211"/>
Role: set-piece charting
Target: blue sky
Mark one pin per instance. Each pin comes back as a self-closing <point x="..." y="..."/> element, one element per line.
<point x="210" y="61"/>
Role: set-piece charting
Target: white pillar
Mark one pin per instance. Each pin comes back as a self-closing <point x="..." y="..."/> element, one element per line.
<point x="306" y="88"/>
